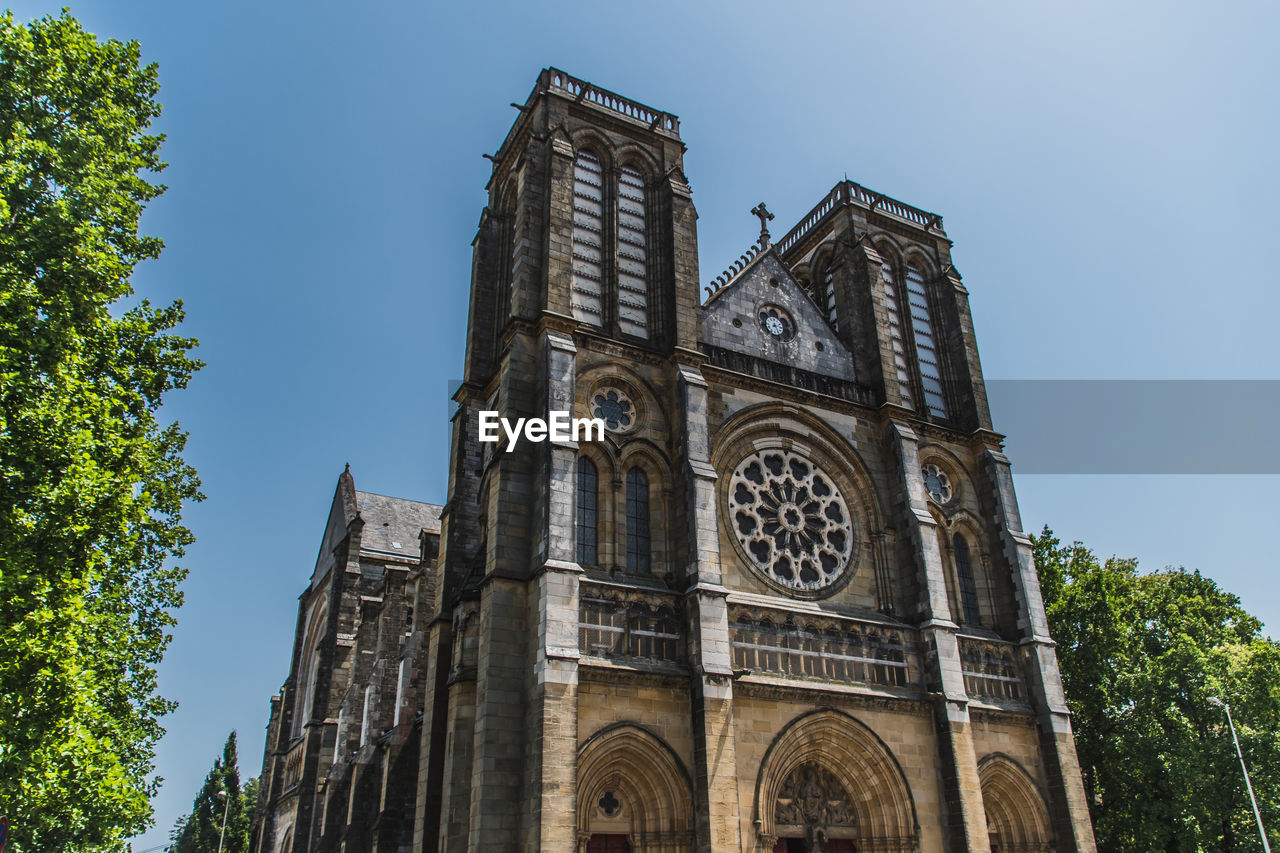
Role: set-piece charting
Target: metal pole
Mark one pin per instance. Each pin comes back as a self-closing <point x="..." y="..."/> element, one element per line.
<point x="227" y="807"/>
<point x="1262" y="833"/>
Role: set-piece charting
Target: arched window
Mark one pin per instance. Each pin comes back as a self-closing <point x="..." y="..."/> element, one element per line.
<point x="926" y="349"/>
<point x="588" y="239"/>
<point x="637" y="522"/>
<point x="964" y="573"/>
<point x="896" y="339"/>
<point x="633" y="275"/>
<point x="587" y="516"/>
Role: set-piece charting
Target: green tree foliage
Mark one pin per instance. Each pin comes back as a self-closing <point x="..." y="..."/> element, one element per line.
<point x="1140" y="656"/>
<point x="199" y="831"/>
<point x="91" y="486"/>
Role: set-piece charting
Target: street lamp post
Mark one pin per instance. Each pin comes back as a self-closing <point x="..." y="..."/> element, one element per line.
<point x="1262" y="833"/>
<point x="223" y="834"/>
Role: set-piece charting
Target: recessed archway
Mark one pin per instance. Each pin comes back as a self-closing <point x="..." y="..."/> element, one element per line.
<point x="631" y="786"/>
<point x="827" y="780"/>
<point x="1016" y="815"/>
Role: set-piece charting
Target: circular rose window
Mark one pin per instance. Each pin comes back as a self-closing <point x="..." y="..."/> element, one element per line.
<point x="936" y="483"/>
<point x="790" y="519"/>
<point x="614" y="407"/>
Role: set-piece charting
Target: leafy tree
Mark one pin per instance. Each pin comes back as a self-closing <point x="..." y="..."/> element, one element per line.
<point x="199" y="831"/>
<point x="1140" y="656"/>
<point x="91" y="486"/>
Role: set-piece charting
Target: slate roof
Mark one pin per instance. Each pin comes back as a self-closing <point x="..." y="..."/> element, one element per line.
<point x="391" y="525"/>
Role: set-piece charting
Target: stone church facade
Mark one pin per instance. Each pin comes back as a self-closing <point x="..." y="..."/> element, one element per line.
<point x="786" y="604"/>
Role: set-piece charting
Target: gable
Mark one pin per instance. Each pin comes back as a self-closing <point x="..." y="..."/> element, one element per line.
<point x="341" y="513"/>
<point x="764" y="288"/>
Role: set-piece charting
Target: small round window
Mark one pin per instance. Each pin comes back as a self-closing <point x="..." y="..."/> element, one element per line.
<point x="777" y="323"/>
<point x="936" y="483"/>
<point x="615" y="408"/>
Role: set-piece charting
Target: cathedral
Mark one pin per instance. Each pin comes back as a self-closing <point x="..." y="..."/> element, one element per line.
<point x="783" y="603"/>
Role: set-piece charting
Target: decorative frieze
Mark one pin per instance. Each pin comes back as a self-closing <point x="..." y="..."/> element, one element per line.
<point x="820" y="648"/>
<point x="628" y="624"/>
<point x="990" y="669"/>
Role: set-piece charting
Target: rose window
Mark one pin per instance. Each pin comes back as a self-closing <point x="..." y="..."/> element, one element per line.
<point x="614" y="408"/>
<point x="790" y="519"/>
<point x="936" y="483"/>
<point x="777" y="322"/>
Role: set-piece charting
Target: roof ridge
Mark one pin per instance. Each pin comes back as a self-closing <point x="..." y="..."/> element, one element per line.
<point x="395" y="498"/>
<point x="734" y="270"/>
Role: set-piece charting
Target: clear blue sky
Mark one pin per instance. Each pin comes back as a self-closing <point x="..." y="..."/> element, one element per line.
<point x="1106" y="170"/>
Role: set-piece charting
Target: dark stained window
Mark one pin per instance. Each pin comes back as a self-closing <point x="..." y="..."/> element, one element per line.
<point x="587" y="516"/>
<point x="637" y="522"/>
<point x="968" y="589"/>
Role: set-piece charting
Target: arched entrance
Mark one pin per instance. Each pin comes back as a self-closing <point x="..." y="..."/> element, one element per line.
<point x="1016" y="815"/>
<point x="633" y="795"/>
<point x="829" y="785"/>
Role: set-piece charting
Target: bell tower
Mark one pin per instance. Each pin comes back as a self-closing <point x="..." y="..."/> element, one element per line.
<point x="584" y="286"/>
<point x="589" y="218"/>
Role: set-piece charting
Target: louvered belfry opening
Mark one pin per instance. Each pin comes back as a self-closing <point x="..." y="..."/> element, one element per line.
<point x="926" y="349"/>
<point x="633" y="278"/>
<point x="588" y="239"/>
<point x="895" y="333"/>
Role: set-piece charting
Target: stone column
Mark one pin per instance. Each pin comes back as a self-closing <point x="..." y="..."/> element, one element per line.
<point x="962" y="791"/>
<point x="553" y="738"/>
<point x="1068" y="806"/>
<point x="455" y="783"/>
<point x="431" y="751"/>
<point x="715" y="761"/>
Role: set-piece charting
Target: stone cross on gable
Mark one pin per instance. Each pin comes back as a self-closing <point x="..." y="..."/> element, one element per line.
<point x="764" y="215"/>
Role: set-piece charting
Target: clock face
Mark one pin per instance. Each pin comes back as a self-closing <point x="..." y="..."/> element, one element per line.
<point x="777" y="322"/>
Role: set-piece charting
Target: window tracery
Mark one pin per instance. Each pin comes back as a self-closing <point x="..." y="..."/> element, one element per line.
<point x="936" y="483"/>
<point x="614" y="407"/>
<point x="790" y="520"/>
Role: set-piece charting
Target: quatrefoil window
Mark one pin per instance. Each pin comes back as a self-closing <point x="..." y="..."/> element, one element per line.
<point x="777" y="322"/>
<point x="790" y="519"/>
<point x="613" y="407"/>
<point x="936" y="483"/>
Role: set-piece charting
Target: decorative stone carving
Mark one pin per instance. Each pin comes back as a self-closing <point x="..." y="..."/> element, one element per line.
<point x="790" y="520"/>
<point x="812" y="797"/>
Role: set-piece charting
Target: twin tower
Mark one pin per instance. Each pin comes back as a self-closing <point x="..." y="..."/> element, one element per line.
<point x="785" y="604"/>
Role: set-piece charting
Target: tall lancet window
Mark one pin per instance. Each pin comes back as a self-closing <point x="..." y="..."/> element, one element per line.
<point x="829" y="294"/>
<point x="637" y="522"/>
<point x="633" y="277"/>
<point x="964" y="573"/>
<point x="588" y="494"/>
<point x="895" y="333"/>
<point x="588" y="239"/>
<point x="926" y="349"/>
